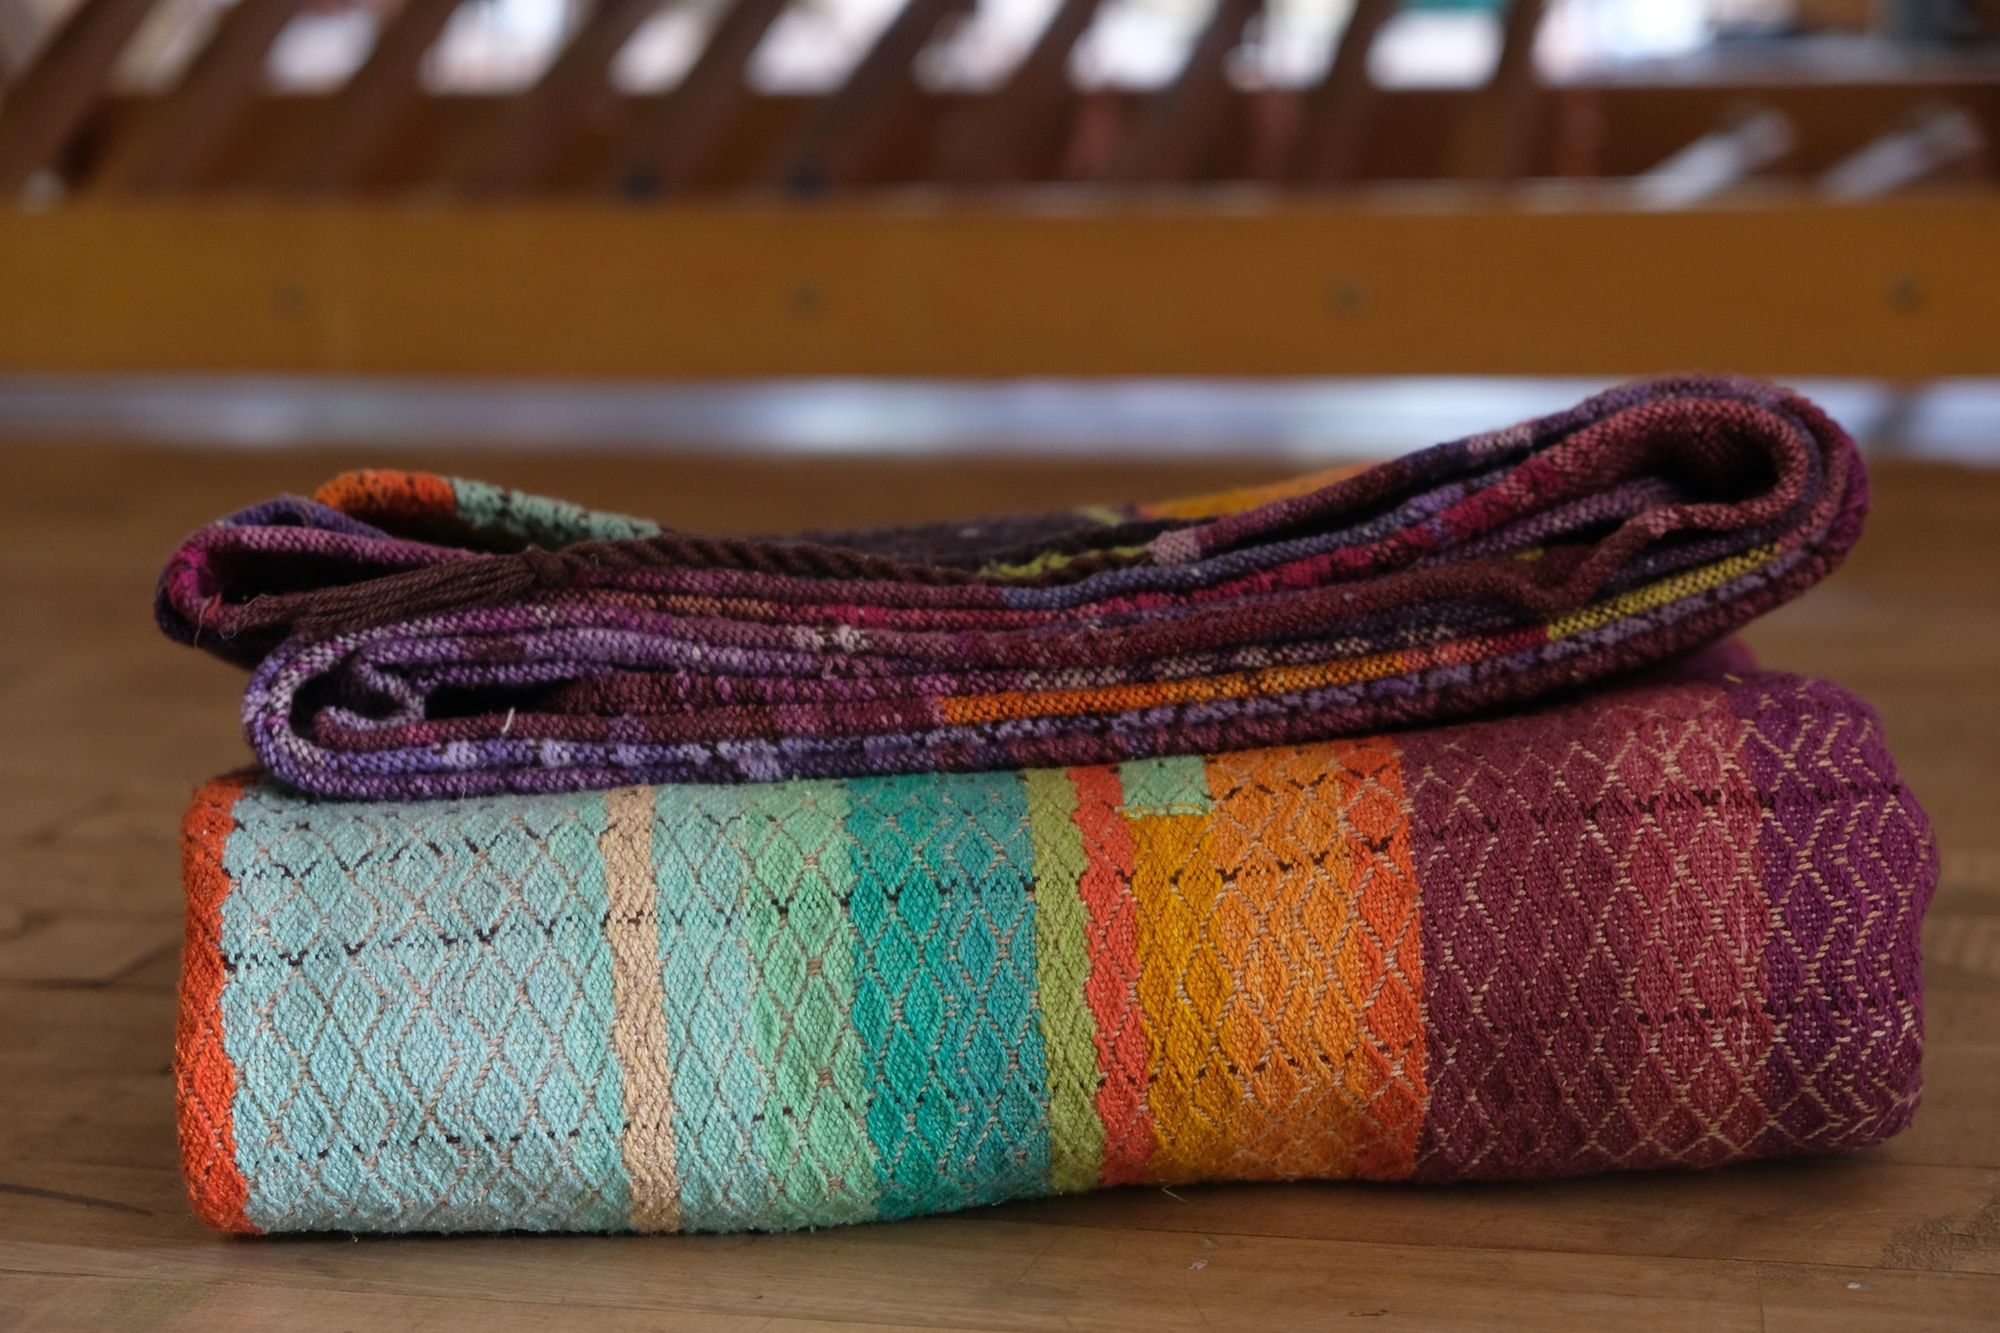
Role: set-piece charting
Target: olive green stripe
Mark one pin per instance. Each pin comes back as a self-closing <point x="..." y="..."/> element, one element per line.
<point x="1062" y="967"/>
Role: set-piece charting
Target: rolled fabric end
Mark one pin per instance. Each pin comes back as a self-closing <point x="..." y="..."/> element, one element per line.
<point x="205" y="1078"/>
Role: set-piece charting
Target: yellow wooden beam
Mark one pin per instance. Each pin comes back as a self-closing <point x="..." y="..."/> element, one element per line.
<point x="1907" y="290"/>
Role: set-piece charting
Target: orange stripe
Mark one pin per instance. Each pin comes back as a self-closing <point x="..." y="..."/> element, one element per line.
<point x="1283" y="921"/>
<point x="1112" y="987"/>
<point x="385" y="494"/>
<point x="1221" y="503"/>
<point x="971" y="708"/>
<point x="1384" y="957"/>
<point x="997" y="707"/>
<point x="1317" y="924"/>
<point x="205" y="1079"/>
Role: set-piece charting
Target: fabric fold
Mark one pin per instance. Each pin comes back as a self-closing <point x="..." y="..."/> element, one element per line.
<point x="1668" y="924"/>
<point x="413" y="636"/>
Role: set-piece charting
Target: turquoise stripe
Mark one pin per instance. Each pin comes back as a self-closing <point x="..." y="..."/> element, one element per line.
<point x="419" y="1005"/>
<point x="945" y="989"/>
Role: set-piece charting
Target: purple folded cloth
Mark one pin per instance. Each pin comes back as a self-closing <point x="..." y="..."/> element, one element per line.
<point x="419" y="636"/>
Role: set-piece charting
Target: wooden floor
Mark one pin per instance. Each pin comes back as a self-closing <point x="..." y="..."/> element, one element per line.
<point x="107" y="728"/>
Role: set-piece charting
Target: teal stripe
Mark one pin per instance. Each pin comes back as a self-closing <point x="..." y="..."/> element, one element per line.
<point x="945" y="989"/>
<point x="419" y="1008"/>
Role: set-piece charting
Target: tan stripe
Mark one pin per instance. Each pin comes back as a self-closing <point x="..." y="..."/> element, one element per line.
<point x="639" y="1025"/>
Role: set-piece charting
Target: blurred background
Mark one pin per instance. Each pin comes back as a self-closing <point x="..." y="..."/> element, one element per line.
<point x="1283" y="228"/>
<point x="758" y="265"/>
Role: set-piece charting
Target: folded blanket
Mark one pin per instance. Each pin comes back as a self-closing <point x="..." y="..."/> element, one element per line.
<point x="1671" y="924"/>
<point x="414" y="636"/>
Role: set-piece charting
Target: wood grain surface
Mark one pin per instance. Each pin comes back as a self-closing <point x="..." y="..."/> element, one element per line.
<point x="107" y="729"/>
<point x="909" y="284"/>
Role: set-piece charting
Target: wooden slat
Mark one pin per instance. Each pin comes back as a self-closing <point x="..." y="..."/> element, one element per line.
<point x="1749" y="141"/>
<point x="169" y="148"/>
<point x="665" y="149"/>
<point x="1495" y="138"/>
<point x="47" y="105"/>
<point x="539" y="124"/>
<point x="843" y="134"/>
<point x="1905" y="290"/>
<point x="1097" y="127"/>
<point x="1333" y="123"/>
<point x="1941" y="142"/>
<point x="365" y="112"/>
<point x="1606" y="129"/>
<point x="1002" y="134"/>
<point x="20" y="33"/>
<point x="1178" y="125"/>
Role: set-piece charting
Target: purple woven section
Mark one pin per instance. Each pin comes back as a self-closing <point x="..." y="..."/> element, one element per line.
<point x="1850" y="863"/>
<point x="1682" y="933"/>
<point x="456" y="639"/>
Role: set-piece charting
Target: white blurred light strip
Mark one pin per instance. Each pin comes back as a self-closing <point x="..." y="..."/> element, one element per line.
<point x="1300" y="419"/>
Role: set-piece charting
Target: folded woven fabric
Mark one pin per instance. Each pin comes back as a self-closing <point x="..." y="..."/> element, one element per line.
<point x="415" y="636"/>
<point x="1669" y="924"/>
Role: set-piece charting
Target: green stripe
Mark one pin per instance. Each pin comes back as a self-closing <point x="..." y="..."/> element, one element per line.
<point x="1062" y="958"/>
<point x="815" y="1131"/>
<point x="1173" y="786"/>
<point x="539" y="519"/>
<point x="769" y="1098"/>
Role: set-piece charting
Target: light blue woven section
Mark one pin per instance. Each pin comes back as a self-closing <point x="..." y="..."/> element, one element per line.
<point x="709" y="973"/>
<point x="418" y="1005"/>
<point x="943" y="908"/>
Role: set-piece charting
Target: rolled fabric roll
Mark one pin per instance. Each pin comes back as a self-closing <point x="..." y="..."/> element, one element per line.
<point x="415" y="636"/>
<point x="1669" y="924"/>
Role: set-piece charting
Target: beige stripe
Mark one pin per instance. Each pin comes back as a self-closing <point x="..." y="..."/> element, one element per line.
<point x="639" y="1026"/>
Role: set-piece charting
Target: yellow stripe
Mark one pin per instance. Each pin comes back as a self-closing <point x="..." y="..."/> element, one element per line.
<point x="966" y="709"/>
<point x="1049" y="560"/>
<point x="1184" y="986"/>
<point x="639" y="1024"/>
<point x="1659" y="594"/>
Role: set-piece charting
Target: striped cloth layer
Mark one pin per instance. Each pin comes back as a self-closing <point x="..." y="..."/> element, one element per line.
<point x="416" y="636"/>
<point x="1672" y="924"/>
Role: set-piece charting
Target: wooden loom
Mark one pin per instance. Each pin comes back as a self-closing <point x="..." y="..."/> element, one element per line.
<point x="886" y="228"/>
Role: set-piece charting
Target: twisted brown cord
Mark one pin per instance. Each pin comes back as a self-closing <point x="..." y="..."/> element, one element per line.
<point x="492" y="579"/>
<point x="486" y="580"/>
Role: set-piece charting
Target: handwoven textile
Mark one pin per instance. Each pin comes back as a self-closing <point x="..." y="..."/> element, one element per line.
<point x="1670" y="924"/>
<point x="416" y="636"/>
